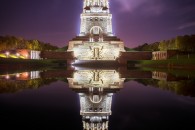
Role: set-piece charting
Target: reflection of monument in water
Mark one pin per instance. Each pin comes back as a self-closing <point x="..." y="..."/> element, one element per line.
<point x="96" y="40"/>
<point x="95" y="88"/>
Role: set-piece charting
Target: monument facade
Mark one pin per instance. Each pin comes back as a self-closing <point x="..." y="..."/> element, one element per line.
<point x="96" y="40"/>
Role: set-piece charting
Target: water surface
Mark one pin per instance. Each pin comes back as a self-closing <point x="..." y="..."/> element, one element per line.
<point x="124" y="99"/>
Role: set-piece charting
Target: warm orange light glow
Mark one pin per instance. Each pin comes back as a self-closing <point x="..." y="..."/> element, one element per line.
<point x="23" y="53"/>
<point x="23" y="76"/>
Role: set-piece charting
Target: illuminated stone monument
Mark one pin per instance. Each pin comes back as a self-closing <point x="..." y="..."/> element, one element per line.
<point x="96" y="40"/>
<point x="95" y="88"/>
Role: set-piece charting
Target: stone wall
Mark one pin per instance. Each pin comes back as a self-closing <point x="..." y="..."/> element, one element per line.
<point x="56" y="73"/>
<point x="134" y="74"/>
<point x="124" y="56"/>
<point x="57" y="55"/>
<point x="127" y="56"/>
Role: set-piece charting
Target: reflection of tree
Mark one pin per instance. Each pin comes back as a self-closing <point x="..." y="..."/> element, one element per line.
<point x="183" y="87"/>
<point x="15" y="86"/>
<point x="187" y="87"/>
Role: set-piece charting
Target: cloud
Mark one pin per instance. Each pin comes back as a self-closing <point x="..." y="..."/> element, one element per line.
<point x="152" y="7"/>
<point x="186" y="25"/>
<point x="130" y="5"/>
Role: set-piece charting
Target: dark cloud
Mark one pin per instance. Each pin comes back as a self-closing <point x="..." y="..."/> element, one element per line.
<point x="187" y="25"/>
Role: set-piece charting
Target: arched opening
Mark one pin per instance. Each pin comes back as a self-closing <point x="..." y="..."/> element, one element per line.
<point x="96" y="30"/>
<point x="96" y="34"/>
<point x="95" y="98"/>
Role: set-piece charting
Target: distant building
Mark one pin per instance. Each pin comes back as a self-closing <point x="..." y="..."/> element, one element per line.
<point x="159" y="75"/>
<point x="35" y="54"/>
<point x="163" y="76"/>
<point x="163" y="55"/>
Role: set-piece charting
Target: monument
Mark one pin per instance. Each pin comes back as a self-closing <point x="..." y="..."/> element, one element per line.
<point x="96" y="40"/>
<point x="96" y="44"/>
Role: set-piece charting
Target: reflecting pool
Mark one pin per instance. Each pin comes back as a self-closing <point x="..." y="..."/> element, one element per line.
<point x="97" y="98"/>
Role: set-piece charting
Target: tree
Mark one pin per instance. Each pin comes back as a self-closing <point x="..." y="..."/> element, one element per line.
<point x="11" y="42"/>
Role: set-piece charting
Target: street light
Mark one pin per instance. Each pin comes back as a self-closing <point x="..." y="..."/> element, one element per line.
<point x="7" y="54"/>
<point x="17" y="54"/>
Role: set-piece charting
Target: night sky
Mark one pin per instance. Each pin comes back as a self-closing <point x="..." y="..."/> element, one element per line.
<point x="134" y="21"/>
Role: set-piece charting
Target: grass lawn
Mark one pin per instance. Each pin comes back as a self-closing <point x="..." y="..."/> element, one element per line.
<point x="181" y="60"/>
<point x="181" y="65"/>
<point x="168" y="62"/>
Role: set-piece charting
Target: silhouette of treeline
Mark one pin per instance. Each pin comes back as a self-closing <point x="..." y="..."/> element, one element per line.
<point x="182" y="43"/>
<point x="11" y="43"/>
